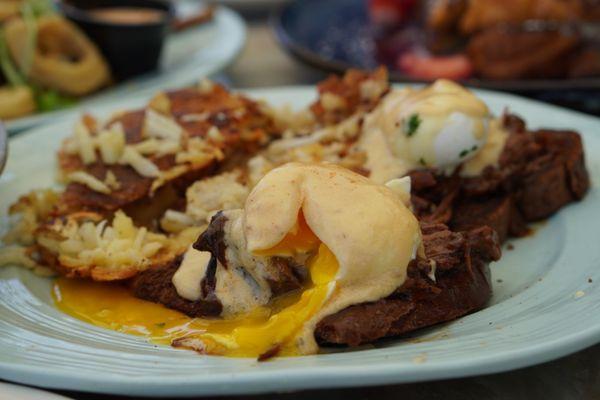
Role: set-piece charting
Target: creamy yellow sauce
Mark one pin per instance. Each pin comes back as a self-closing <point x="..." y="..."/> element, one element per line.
<point x="490" y="153"/>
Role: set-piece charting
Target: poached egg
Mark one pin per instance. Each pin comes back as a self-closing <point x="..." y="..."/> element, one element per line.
<point x="439" y="126"/>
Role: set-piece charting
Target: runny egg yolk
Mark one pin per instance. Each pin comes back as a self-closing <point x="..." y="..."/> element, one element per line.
<point x="300" y="239"/>
<point x="272" y="328"/>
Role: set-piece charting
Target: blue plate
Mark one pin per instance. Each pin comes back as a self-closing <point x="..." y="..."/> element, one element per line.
<point x="335" y="35"/>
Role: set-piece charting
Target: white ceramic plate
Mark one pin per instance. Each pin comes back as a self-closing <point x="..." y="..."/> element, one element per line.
<point x="534" y="315"/>
<point x="14" y="392"/>
<point x="188" y="56"/>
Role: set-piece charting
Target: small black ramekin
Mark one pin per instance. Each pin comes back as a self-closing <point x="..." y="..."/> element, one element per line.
<point x="130" y="49"/>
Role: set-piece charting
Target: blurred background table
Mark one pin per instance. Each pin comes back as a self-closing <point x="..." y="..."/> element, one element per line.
<point x="264" y="63"/>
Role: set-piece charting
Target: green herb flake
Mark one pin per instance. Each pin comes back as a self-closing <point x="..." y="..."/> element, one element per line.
<point x="474" y="148"/>
<point x="160" y="325"/>
<point x="422" y="162"/>
<point x="463" y="153"/>
<point x="412" y="124"/>
<point x="50" y="100"/>
<point x="9" y="70"/>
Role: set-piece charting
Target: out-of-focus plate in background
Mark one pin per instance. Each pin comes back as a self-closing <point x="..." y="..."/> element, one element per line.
<point x="335" y="35"/>
<point x="187" y="57"/>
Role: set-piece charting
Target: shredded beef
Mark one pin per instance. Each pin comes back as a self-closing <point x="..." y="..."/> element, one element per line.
<point x="155" y="285"/>
<point x="461" y="286"/>
<point x="213" y="238"/>
<point x="539" y="172"/>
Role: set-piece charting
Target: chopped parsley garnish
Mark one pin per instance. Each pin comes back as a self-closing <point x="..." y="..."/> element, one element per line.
<point x="422" y="162"/>
<point x="160" y="325"/>
<point x="412" y="124"/>
<point x="467" y="151"/>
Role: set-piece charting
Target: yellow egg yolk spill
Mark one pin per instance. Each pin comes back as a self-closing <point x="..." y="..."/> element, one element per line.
<point x="280" y="330"/>
<point x="265" y="329"/>
<point x="113" y="306"/>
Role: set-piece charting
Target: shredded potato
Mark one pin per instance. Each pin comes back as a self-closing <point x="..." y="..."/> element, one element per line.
<point x="221" y="192"/>
<point x="26" y="215"/>
<point x="85" y="245"/>
<point x="19" y="256"/>
<point x="89" y="180"/>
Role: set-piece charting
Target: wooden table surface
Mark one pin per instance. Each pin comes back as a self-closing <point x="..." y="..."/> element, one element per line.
<point x="262" y="63"/>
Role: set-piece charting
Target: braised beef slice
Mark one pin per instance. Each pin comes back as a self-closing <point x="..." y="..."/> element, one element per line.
<point x="499" y="213"/>
<point x="539" y="172"/>
<point x="213" y="238"/>
<point x="461" y="286"/>
<point x="287" y="276"/>
<point x="155" y="285"/>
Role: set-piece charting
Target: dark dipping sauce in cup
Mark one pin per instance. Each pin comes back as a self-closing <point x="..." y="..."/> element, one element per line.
<point x="127" y="15"/>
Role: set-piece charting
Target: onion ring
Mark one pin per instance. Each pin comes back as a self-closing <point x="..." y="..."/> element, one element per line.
<point x="16" y="101"/>
<point x="65" y="59"/>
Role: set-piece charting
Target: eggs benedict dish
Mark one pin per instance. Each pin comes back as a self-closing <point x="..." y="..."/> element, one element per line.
<point x="297" y="266"/>
<point x="298" y="232"/>
<point x="214" y="222"/>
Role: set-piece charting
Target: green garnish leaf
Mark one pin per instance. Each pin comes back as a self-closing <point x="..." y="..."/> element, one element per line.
<point x="467" y="151"/>
<point x="41" y="7"/>
<point x="412" y="124"/>
<point x="160" y="325"/>
<point x="10" y="71"/>
<point x="50" y="100"/>
<point x="29" y="17"/>
<point x="422" y="162"/>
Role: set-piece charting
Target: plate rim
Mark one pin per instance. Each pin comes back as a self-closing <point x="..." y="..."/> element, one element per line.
<point x="301" y="377"/>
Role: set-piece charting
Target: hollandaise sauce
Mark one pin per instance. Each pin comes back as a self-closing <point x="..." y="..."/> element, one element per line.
<point x="270" y="328"/>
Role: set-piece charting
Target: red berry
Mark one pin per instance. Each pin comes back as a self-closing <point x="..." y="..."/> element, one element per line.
<point x="390" y="12"/>
<point x="423" y="66"/>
